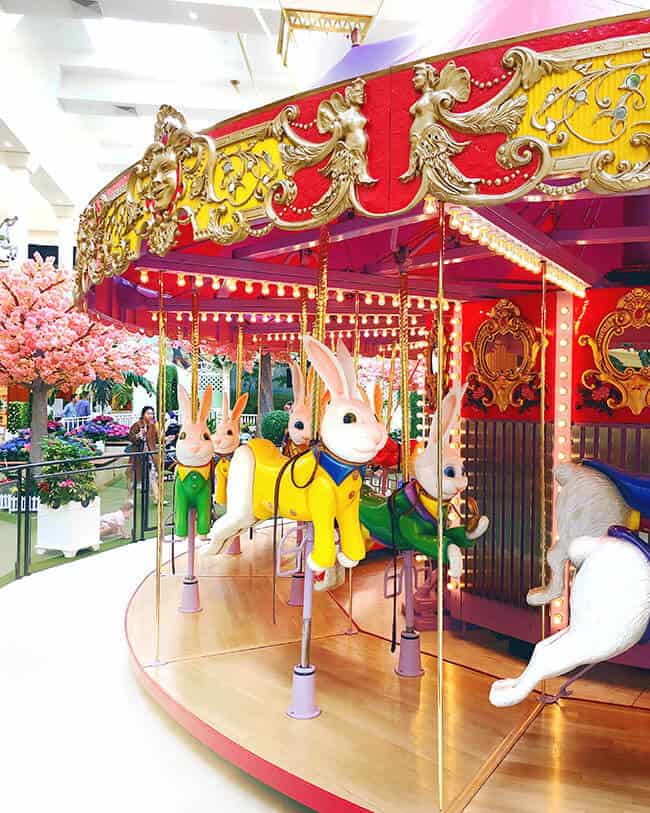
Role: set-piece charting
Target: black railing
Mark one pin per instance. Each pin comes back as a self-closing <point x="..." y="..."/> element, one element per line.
<point x="22" y="481"/>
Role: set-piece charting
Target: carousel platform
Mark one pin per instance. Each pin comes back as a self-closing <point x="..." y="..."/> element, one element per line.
<point x="225" y="676"/>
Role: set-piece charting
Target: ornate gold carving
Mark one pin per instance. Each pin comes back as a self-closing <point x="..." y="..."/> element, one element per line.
<point x="578" y="111"/>
<point x="631" y="385"/>
<point x="504" y="350"/>
<point x="341" y="118"/>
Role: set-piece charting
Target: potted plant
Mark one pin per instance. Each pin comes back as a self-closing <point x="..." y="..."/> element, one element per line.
<point x="69" y="509"/>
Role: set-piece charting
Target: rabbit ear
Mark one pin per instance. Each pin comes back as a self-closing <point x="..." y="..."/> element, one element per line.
<point x="347" y="363"/>
<point x="185" y="404"/>
<point x="297" y="382"/>
<point x="309" y="391"/>
<point x="240" y="405"/>
<point x="451" y="409"/>
<point x="364" y="397"/>
<point x="327" y="366"/>
<point x="378" y="400"/>
<point x="206" y="404"/>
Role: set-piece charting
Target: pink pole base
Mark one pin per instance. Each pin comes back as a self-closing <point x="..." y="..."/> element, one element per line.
<point x="297" y="586"/>
<point x="234" y="549"/>
<point x="410" y="663"/>
<point x="190" y="600"/>
<point x="303" y="694"/>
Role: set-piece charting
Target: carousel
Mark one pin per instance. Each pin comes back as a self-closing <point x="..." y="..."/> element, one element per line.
<point x="385" y="611"/>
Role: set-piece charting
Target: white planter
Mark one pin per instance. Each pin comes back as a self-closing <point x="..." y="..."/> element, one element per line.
<point x="70" y="528"/>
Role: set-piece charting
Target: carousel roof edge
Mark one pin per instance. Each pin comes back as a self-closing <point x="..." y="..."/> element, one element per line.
<point x="446" y="55"/>
<point x="133" y="208"/>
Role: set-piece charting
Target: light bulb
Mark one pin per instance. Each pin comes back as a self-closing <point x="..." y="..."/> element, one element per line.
<point x="311" y="293"/>
<point x="204" y="317"/>
<point x="198" y="281"/>
<point x="265" y="289"/>
<point x="281" y="290"/>
<point x="181" y="280"/>
<point x="295" y="292"/>
<point x="368" y="299"/>
<point x="339" y="296"/>
<point x="144" y="275"/>
<point x="215" y="283"/>
<point x="229" y="317"/>
<point x="248" y="287"/>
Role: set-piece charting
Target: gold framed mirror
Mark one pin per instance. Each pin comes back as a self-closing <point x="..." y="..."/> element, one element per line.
<point x="504" y="352"/>
<point x="621" y="353"/>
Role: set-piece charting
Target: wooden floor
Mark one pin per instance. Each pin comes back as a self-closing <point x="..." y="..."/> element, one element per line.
<point x="226" y="676"/>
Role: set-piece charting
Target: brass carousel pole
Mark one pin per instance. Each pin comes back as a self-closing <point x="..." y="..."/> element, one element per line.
<point x="240" y="358"/>
<point x="542" y="442"/>
<point x="162" y="385"/>
<point x="195" y="354"/>
<point x="304" y="326"/>
<point x="352" y="630"/>
<point x="440" y="497"/>
<point x="303" y="696"/>
<point x="404" y="366"/>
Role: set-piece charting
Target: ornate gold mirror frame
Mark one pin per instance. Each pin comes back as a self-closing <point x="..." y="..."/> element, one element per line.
<point x="517" y="385"/>
<point x="628" y="386"/>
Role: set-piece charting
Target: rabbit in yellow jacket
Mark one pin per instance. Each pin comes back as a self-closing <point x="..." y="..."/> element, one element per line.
<point x="322" y="485"/>
<point x="225" y="440"/>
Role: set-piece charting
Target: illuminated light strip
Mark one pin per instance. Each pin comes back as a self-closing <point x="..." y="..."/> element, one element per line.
<point x="483" y="231"/>
<point x="285" y="289"/>
<point x="456" y="360"/>
<point x="562" y="425"/>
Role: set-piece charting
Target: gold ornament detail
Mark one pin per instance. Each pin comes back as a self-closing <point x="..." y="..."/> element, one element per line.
<point x="341" y="118"/>
<point x="578" y="112"/>
<point x="504" y="350"/>
<point x="615" y="367"/>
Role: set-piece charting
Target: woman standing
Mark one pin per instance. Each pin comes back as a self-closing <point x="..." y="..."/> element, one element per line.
<point x="143" y="437"/>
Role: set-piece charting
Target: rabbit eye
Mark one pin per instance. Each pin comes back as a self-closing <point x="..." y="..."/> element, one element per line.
<point x="182" y="436"/>
<point x="299" y="425"/>
<point x="349" y="417"/>
<point x="449" y="471"/>
<point x="229" y="431"/>
<point x="206" y="436"/>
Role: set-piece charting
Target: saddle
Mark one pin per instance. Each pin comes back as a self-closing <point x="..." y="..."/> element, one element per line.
<point x="634" y="488"/>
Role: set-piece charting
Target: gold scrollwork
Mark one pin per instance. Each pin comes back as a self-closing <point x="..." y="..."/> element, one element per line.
<point x="630" y="384"/>
<point x="504" y="350"/>
<point x="341" y="118"/>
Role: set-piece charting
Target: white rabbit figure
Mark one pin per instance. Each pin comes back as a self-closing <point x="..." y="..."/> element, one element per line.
<point x="225" y="440"/>
<point x="409" y="519"/>
<point x="194" y="453"/>
<point x="587" y="504"/>
<point x="320" y="488"/>
<point x="610" y="612"/>
<point x="299" y="426"/>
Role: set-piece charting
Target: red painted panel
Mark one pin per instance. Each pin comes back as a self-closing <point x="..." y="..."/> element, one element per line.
<point x="474" y="313"/>
<point x="588" y="313"/>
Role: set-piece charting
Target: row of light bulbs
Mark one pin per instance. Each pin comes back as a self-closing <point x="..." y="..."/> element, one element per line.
<point x="384" y="333"/>
<point x="289" y="318"/>
<point x="289" y="289"/>
<point x="484" y="232"/>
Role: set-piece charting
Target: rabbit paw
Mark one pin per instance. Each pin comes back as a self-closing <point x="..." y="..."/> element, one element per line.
<point x="346" y="561"/>
<point x="481" y="527"/>
<point x="455" y="557"/>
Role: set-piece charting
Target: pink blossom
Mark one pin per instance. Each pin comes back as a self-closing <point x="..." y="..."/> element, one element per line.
<point x="43" y="336"/>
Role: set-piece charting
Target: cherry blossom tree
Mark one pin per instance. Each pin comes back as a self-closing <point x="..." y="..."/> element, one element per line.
<point x="47" y="342"/>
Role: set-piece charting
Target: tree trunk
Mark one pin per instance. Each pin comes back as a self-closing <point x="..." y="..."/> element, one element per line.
<point x="266" y="386"/>
<point x="39" y="419"/>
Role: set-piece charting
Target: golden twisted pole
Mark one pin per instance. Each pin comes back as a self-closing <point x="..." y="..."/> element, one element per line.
<point x="357" y="333"/>
<point x="162" y="386"/>
<point x="321" y="315"/>
<point x="195" y="355"/>
<point x="240" y="358"/>
<point x="440" y="497"/>
<point x="404" y="365"/>
<point x="304" y="326"/>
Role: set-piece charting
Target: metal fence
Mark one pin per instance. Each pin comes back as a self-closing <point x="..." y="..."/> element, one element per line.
<point x="502" y="467"/>
<point x="125" y="506"/>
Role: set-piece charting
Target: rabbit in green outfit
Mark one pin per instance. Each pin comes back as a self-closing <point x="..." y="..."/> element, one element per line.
<point x="194" y="466"/>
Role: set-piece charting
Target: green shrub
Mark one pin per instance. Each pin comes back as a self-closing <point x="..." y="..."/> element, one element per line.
<point x="274" y="425"/>
<point x="76" y="476"/>
<point x="19" y="415"/>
